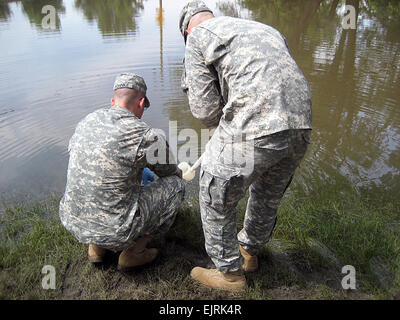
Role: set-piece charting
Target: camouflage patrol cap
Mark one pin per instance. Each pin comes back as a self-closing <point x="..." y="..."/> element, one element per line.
<point x="132" y="81"/>
<point x="189" y="10"/>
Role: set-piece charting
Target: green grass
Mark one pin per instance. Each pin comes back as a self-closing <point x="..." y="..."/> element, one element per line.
<point x="355" y="225"/>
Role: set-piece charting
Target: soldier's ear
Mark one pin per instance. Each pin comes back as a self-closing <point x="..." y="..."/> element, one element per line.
<point x="113" y="101"/>
<point x="142" y="102"/>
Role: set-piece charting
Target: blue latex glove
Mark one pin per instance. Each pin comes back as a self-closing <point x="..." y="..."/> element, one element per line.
<point x="147" y="176"/>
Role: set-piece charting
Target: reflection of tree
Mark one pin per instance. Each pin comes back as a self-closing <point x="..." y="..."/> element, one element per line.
<point x="332" y="11"/>
<point x="354" y="75"/>
<point x="387" y="12"/>
<point x="112" y="16"/>
<point x="33" y="9"/>
<point x="5" y="11"/>
<point x="292" y="18"/>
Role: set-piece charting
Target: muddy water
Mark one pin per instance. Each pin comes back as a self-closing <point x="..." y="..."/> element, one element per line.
<point x="51" y="78"/>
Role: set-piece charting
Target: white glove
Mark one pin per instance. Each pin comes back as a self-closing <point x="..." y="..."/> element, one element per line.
<point x="187" y="173"/>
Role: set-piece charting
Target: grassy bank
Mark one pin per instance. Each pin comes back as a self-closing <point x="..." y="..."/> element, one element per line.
<point x="316" y="234"/>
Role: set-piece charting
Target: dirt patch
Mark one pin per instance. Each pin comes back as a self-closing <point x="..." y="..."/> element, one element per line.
<point x="283" y="274"/>
<point x="70" y="288"/>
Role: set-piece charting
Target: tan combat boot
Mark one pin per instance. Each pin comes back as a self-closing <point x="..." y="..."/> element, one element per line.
<point x="250" y="262"/>
<point x="96" y="254"/>
<point x="137" y="255"/>
<point x="231" y="281"/>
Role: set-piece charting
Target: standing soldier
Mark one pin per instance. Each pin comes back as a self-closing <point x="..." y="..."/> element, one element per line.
<point x="104" y="204"/>
<point x="240" y="76"/>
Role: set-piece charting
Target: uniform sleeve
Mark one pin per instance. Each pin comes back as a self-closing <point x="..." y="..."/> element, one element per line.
<point x="155" y="154"/>
<point x="200" y="82"/>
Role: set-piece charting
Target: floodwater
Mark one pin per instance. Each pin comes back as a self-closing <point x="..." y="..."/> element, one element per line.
<point x="52" y="78"/>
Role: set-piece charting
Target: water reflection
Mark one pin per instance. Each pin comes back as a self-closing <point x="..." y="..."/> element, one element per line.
<point x="354" y="76"/>
<point x="33" y="10"/>
<point x="5" y="11"/>
<point x="387" y="12"/>
<point x="113" y="17"/>
<point x="292" y="18"/>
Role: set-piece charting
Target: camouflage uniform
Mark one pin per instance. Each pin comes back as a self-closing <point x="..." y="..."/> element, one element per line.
<point x="104" y="203"/>
<point x="240" y="75"/>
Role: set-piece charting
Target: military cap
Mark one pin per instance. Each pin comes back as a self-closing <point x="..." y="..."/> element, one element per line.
<point x="189" y="10"/>
<point x="132" y="81"/>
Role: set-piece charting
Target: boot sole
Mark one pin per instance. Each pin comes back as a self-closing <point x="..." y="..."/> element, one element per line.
<point x="126" y="269"/>
<point x="239" y="289"/>
<point x="96" y="260"/>
<point x="234" y="288"/>
<point x="131" y="268"/>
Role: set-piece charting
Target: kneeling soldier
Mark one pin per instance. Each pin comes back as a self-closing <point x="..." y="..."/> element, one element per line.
<point x="105" y="205"/>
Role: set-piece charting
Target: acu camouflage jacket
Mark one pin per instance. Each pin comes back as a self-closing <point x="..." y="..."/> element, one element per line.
<point x="240" y="74"/>
<point x="108" y="153"/>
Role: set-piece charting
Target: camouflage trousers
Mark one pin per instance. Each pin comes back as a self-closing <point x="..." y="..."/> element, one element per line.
<point x="276" y="158"/>
<point x="157" y="207"/>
